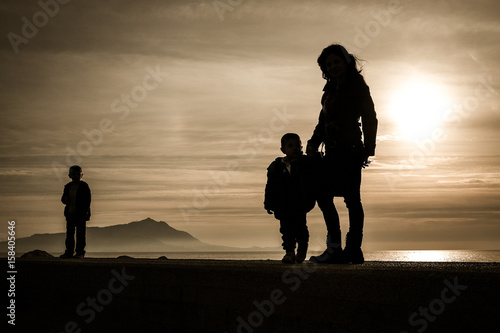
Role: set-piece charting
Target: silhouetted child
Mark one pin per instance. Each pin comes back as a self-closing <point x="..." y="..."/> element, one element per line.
<point x="290" y="196"/>
<point x="76" y="197"/>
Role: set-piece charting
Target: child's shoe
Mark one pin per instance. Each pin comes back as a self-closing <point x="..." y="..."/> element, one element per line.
<point x="299" y="259"/>
<point x="301" y="253"/>
<point x="289" y="258"/>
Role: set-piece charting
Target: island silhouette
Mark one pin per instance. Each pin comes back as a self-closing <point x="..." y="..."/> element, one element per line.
<point x="146" y="235"/>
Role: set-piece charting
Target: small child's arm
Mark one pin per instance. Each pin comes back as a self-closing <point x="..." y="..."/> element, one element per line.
<point x="270" y="192"/>
<point x="268" y="202"/>
<point x="65" y="196"/>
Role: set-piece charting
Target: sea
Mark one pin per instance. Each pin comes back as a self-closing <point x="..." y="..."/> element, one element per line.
<point x="417" y="256"/>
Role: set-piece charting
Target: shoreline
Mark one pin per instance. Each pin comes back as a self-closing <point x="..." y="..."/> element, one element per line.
<point x="200" y="295"/>
<point x="472" y="256"/>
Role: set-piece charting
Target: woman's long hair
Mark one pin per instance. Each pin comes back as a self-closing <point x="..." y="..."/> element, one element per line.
<point x="352" y="61"/>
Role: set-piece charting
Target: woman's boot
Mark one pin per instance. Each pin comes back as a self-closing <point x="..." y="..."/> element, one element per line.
<point x="352" y="251"/>
<point x="332" y="255"/>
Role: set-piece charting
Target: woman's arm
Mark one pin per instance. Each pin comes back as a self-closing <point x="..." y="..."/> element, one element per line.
<point x="369" y="122"/>
<point x="318" y="136"/>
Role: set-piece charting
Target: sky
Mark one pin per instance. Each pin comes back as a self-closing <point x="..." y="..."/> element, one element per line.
<point x="174" y="109"/>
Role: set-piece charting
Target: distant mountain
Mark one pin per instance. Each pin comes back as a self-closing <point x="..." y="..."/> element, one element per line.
<point x="141" y="236"/>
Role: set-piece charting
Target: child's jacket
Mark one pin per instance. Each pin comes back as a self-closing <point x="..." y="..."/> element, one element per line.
<point x="289" y="191"/>
<point x="82" y="204"/>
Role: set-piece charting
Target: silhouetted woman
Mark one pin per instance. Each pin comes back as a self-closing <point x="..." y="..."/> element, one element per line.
<point x="348" y="144"/>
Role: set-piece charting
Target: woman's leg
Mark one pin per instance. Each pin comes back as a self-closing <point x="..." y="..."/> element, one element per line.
<point x="352" y="199"/>
<point x="354" y="237"/>
<point x="332" y="220"/>
<point x="356" y="221"/>
<point x="333" y="252"/>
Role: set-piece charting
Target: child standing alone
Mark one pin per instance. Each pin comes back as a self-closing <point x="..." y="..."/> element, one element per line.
<point x="289" y="195"/>
<point x="76" y="197"/>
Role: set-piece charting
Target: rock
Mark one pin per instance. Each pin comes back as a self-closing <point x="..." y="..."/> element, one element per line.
<point x="162" y="258"/>
<point x="37" y="254"/>
<point x="124" y="257"/>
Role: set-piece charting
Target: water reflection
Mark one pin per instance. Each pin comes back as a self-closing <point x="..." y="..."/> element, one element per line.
<point x="428" y="256"/>
<point x="435" y="256"/>
<point x="400" y="255"/>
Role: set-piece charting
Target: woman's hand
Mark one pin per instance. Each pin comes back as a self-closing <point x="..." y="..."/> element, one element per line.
<point x="311" y="152"/>
<point x="365" y="162"/>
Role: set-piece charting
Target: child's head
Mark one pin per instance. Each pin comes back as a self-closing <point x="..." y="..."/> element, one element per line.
<point x="75" y="173"/>
<point x="291" y="145"/>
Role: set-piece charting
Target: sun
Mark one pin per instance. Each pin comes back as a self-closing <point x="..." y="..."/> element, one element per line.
<point x="417" y="108"/>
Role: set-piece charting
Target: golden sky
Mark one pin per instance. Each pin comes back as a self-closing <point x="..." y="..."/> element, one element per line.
<point x="174" y="109"/>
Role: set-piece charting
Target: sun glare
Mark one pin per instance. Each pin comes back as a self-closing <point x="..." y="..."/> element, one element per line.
<point x="417" y="108"/>
<point x="428" y="256"/>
